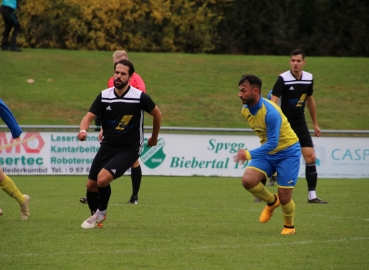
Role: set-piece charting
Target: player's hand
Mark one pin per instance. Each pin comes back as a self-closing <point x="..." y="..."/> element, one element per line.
<point x="100" y="136"/>
<point x="317" y="131"/>
<point x="240" y="156"/>
<point x="82" y="135"/>
<point x="152" y="142"/>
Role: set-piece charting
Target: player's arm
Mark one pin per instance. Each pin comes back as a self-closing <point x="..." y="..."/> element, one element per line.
<point x="277" y="90"/>
<point x="89" y="117"/>
<point x="156" y="113"/>
<point x="274" y="99"/>
<point x="84" y="125"/>
<point x="273" y="122"/>
<point x="310" y="103"/>
<point x="9" y="120"/>
<point x="100" y="136"/>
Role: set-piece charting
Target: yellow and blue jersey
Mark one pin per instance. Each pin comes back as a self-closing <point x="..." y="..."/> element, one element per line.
<point x="272" y="127"/>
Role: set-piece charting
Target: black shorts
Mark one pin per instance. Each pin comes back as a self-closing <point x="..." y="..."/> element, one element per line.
<point x="302" y="132"/>
<point x="117" y="162"/>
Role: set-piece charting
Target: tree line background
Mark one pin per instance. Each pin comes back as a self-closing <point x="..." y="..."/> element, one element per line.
<point x="262" y="27"/>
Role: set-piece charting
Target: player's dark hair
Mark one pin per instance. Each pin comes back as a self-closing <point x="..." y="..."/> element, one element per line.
<point x="127" y="63"/>
<point x="297" y="52"/>
<point x="252" y="80"/>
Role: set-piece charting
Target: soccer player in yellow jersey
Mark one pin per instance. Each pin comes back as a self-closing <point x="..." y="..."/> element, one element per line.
<point x="273" y="178"/>
<point x="279" y="152"/>
<point x="6" y="183"/>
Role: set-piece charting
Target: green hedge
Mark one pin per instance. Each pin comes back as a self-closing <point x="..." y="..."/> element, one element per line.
<point x="321" y="27"/>
<point x="153" y="25"/>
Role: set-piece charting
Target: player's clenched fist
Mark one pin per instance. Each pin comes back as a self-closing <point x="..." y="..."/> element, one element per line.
<point x="82" y="135"/>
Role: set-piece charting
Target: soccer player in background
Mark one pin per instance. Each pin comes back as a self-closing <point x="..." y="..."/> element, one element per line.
<point x="136" y="171"/>
<point x="122" y="111"/>
<point x="6" y="183"/>
<point x="7" y="10"/>
<point x="279" y="152"/>
<point x="294" y="89"/>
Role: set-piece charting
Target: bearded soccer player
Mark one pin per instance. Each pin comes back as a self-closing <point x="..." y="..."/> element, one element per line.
<point x="122" y="110"/>
<point x="136" y="171"/>
<point x="279" y="152"/>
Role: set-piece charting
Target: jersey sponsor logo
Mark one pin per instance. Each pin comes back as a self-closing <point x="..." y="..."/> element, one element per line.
<point x="293" y="102"/>
<point x="291" y="88"/>
<point x="124" y="122"/>
<point x="301" y="102"/>
<point x="152" y="157"/>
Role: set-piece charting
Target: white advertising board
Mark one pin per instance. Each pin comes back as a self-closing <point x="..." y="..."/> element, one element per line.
<point x="60" y="153"/>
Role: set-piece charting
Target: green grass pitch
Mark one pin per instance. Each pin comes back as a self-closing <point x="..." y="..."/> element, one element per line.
<point x="183" y="223"/>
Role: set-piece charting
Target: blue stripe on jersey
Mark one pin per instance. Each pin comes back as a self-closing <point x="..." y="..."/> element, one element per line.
<point x="9" y="120"/>
<point x="272" y="127"/>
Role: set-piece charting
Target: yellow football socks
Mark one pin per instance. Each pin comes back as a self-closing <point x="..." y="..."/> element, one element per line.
<point x="262" y="193"/>
<point x="288" y="211"/>
<point x="11" y="189"/>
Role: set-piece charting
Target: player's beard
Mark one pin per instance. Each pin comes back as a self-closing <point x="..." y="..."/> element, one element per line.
<point x="249" y="101"/>
<point x="121" y="85"/>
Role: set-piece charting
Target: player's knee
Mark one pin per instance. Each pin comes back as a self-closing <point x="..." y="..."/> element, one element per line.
<point x="310" y="158"/>
<point x="284" y="200"/>
<point x="136" y="164"/>
<point x="285" y="195"/>
<point x="91" y="186"/>
<point x="246" y="182"/>
<point x="104" y="180"/>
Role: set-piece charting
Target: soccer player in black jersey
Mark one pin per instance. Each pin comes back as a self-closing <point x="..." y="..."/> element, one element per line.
<point x="122" y="110"/>
<point x="136" y="172"/>
<point x="292" y="91"/>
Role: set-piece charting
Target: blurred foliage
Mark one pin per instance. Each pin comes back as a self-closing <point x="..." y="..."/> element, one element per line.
<point x="149" y="25"/>
<point x="263" y="27"/>
<point x="320" y="27"/>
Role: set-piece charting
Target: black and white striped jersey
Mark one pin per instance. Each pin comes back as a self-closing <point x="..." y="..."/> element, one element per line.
<point x="292" y="93"/>
<point x="122" y="117"/>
